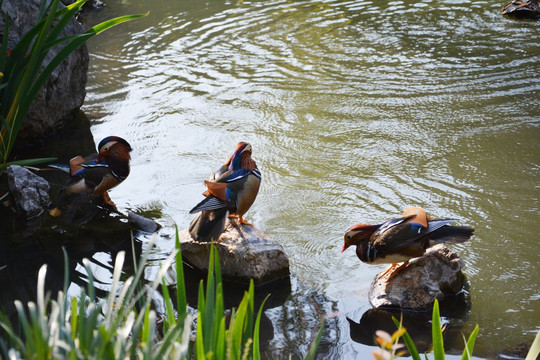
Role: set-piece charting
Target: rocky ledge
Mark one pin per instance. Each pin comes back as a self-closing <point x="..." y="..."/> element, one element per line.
<point x="245" y="253"/>
<point x="435" y="275"/>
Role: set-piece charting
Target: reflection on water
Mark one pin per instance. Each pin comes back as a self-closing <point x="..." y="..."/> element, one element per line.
<point x="355" y="110"/>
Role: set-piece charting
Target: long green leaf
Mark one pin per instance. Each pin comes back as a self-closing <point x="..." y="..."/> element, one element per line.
<point x="170" y="320"/>
<point x="29" y="162"/>
<point x="469" y="345"/>
<point x="237" y="328"/>
<point x="210" y="306"/>
<point x="181" y="302"/>
<point x="436" y="333"/>
<point x="75" y="42"/>
<point x="315" y="344"/>
<point x="408" y="341"/>
<point x="65" y="17"/>
<point x="21" y="103"/>
<point x="248" y="327"/>
<point x="256" y="340"/>
<point x="199" y="341"/>
<point x="26" y="77"/>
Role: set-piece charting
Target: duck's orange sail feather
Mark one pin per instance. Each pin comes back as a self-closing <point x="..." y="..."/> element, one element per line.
<point x="217" y="189"/>
<point x="421" y="216"/>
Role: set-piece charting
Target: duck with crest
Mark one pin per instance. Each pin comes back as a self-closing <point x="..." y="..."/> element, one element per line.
<point x="401" y="239"/>
<point x="231" y="190"/>
<point x="97" y="173"/>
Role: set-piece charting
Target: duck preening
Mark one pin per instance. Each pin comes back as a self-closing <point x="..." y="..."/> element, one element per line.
<point x="97" y="173"/>
<point x="401" y="239"/>
<point x="231" y="190"/>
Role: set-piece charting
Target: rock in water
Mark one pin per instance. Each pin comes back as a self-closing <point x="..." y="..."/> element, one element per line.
<point x="432" y="276"/>
<point x="245" y="253"/>
<point x="30" y="191"/>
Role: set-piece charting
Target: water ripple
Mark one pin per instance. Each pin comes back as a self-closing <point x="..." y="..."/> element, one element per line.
<point x="355" y="109"/>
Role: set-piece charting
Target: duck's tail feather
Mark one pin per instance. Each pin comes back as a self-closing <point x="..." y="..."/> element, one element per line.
<point x="209" y="203"/>
<point x="208" y="225"/>
<point x="452" y="234"/>
<point x="63" y="167"/>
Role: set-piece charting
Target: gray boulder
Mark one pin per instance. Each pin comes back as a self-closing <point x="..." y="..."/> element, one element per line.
<point x="30" y="191"/>
<point x="64" y="92"/>
<point x="245" y="253"/>
<point x="432" y="276"/>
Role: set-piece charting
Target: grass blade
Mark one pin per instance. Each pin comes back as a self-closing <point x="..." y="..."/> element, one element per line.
<point x="408" y="341"/>
<point x="256" y="340"/>
<point x="469" y="345"/>
<point x="181" y="302"/>
<point x="315" y="344"/>
<point x="436" y="333"/>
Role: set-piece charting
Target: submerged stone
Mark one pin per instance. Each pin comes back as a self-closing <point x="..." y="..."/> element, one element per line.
<point x="435" y="275"/>
<point x="244" y="251"/>
<point x="30" y="191"/>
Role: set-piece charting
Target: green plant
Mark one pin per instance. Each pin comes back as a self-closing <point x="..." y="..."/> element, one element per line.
<point x="123" y="326"/>
<point x="23" y="72"/>
<point x="388" y="344"/>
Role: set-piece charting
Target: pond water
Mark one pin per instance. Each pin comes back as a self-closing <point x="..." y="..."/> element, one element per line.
<point x="355" y="110"/>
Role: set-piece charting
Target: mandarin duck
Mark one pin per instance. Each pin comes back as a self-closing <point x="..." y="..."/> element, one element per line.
<point x="232" y="189"/>
<point x="401" y="239"/>
<point x="97" y="173"/>
<point x="522" y="9"/>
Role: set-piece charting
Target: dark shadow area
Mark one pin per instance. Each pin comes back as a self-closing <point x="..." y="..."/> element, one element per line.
<point x="453" y="309"/>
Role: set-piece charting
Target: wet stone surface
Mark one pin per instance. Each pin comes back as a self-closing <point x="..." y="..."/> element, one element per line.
<point x="435" y="275"/>
<point x="30" y="191"/>
<point x="245" y="253"/>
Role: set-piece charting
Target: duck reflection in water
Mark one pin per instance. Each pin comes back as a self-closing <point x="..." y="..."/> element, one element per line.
<point x="417" y="324"/>
<point x="454" y="308"/>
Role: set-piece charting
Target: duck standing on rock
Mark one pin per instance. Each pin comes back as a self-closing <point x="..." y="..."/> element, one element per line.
<point x="99" y="172"/>
<point x="403" y="238"/>
<point x="232" y="189"/>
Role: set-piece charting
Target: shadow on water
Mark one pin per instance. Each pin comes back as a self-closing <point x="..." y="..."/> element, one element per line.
<point x="418" y="324"/>
<point x="23" y="250"/>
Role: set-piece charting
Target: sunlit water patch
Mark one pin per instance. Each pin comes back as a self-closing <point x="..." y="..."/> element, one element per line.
<point x="355" y="110"/>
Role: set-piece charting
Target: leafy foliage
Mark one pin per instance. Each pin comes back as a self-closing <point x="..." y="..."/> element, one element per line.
<point x="23" y="69"/>
<point x="124" y="326"/>
<point x="388" y="344"/>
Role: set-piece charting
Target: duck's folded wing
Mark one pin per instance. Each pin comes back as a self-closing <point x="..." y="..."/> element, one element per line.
<point x="209" y="203"/>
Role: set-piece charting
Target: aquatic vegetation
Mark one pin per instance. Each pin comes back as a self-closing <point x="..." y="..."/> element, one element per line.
<point x="125" y="326"/>
<point x="389" y="345"/>
<point x="23" y="69"/>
